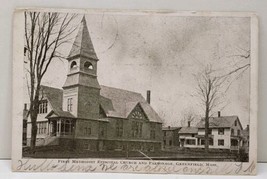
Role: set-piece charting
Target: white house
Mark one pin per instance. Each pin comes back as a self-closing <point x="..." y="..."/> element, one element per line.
<point x="224" y="133"/>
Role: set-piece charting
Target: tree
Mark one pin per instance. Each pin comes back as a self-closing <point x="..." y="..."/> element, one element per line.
<point x="208" y="91"/>
<point x="212" y="84"/>
<point x="188" y="117"/>
<point x="45" y="33"/>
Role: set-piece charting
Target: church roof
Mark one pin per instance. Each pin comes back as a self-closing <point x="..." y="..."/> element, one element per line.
<point x="83" y="45"/>
<point x="219" y="122"/>
<point x="117" y="103"/>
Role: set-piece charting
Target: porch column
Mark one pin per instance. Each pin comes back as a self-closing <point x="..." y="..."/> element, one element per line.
<point x="70" y="126"/>
<point x="59" y="124"/>
<point x="57" y="128"/>
<point x="48" y="128"/>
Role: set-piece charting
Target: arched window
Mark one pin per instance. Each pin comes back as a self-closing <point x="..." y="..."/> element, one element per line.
<point x="88" y="65"/>
<point x="73" y="64"/>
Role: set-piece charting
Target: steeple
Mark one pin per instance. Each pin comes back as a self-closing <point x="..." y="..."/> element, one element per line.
<point x="83" y="45"/>
<point x="81" y="90"/>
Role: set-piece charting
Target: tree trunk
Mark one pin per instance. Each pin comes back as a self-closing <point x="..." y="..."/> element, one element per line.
<point x="34" y="114"/>
<point x="207" y="130"/>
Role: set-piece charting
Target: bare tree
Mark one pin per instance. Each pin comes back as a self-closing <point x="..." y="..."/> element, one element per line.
<point x="239" y="63"/>
<point x="208" y="90"/>
<point x="188" y="117"/>
<point x="45" y="33"/>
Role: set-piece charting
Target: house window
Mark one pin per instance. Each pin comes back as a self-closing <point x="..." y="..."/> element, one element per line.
<point x="210" y="131"/>
<point x="202" y="142"/>
<point x="164" y="133"/>
<point x="41" y="127"/>
<point x="152" y="131"/>
<point x="137" y="129"/>
<point x="220" y="142"/>
<point x="119" y="128"/>
<point x="235" y="122"/>
<point x="42" y="107"/>
<point x="164" y="141"/>
<point x="210" y="141"/>
<point x="170" y="142"/>
<point x="190" y="141"/>
<point x="238" y="132"/>
<point x="69" y="105"/>
<point x="221" y="131"/>
<point x="232" y="132"/>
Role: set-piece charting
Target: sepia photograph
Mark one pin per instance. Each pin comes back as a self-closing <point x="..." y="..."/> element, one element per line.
<point x="132" y="88"/>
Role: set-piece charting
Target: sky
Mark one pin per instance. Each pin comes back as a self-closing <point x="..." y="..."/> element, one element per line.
<point x="164" y="54"/>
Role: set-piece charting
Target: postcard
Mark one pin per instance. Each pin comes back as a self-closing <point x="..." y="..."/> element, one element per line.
<point x="135" y="91"/>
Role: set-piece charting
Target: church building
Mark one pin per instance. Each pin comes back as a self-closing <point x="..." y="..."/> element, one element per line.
<point x="86" y="116"/>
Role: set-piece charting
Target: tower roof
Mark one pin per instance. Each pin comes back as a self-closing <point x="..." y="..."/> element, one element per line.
<point x="83" y="45"/>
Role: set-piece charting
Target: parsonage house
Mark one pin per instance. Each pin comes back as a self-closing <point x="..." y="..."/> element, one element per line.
<point x="170" y="138"/>
<point x="225" y="132"/>
<point x="86" y="116"/>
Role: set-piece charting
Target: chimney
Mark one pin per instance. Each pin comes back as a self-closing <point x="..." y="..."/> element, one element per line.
<point x="25" y="106"/>
<point x="188" y="123"/>
<point x="169" y="127"/>
<point x="148" y="93"/>
<point x="219" y="113"/>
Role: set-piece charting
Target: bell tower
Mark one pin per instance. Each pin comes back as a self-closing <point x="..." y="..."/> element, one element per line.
<point x="81" y="90"/>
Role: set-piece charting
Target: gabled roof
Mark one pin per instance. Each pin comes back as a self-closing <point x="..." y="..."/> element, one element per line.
<point x="83" y="45"/>
<point x="219" y="122"/>
<point x="54" y="96"/>
<point x="119" y="103"/>
<point x="115" y="102"/>
<point x="245" y="132"/>
<point x="59" y="113"/>
<point x="171" y="128"/>
<point x="188" y="130"/>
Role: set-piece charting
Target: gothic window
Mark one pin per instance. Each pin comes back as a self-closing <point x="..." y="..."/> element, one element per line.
<point x="137" y="115"/>
<point x="102" y="129"/>
<point x="87" y="131"/>
<point x="119" y="128"/>
<point x="137" y="129"/>
<point x="152" y="131"/>
<point x="73" y="65"/>
<point x="43" y="107"/>
<point x="88" y="65"/>
<point x="69" y="104"/>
